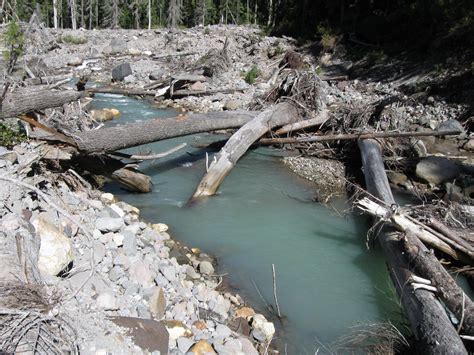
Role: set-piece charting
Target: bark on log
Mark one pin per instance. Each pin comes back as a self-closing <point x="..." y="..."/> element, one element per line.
<point x="120" y="91"/>
<point x="134" y="134"/>
<point x="316" y="121"/>
<point x="429" y="322"/>
<point x="184" y="93"/>
<point x="238" y="144"/>
<point x="47" y="79"/>
<point x="24" y="102"/>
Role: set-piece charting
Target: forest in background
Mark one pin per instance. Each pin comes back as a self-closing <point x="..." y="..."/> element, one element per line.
<point x="383" y="22"/>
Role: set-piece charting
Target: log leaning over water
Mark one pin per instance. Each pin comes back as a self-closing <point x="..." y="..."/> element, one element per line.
<point x="120" y="137"/>
<point x="429" y="322"/>
<point x="240" y="142"/>
<point x="19" y="103"/>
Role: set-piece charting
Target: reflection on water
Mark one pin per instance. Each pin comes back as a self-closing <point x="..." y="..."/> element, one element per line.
<point x="327" y="281"/>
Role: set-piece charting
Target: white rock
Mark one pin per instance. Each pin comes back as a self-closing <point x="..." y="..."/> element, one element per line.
<point x="109" y="224"/>
<point x="107" y="198"/>
<point x="160" y="227"/>
<point x="118" y="239"/>
<point x="107" y="301"/>
<point x="117" y="209"/>
<point x="55" y="252"/>
<point x="262" y="330"/>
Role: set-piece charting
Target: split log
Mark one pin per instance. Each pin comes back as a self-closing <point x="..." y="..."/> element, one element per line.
<point x="352" y="136"/>
<point x="120" y="137"/>
<point x="429" y="322"/>
<point x="407" y="225"/>
<point x="133" y="181"/>
<point x="240" y="142"/>
<point x="23" y="102"/>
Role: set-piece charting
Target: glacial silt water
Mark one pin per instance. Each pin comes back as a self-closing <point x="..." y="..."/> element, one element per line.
<point x="327" y="281"/>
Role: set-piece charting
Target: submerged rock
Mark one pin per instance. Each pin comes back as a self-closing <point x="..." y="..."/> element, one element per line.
<point x="262" y="329"/>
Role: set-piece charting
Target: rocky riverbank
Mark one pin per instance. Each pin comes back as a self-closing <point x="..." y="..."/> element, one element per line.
<point x="120" y="284"/>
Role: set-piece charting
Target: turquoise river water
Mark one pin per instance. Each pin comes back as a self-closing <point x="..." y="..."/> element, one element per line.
<point x="327" y="281"/>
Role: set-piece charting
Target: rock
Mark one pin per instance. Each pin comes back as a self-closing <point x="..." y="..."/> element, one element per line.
<point x="140" y="272"/>
<point x="109" y="224"/>
<point x="184" y="344"/>
<point x="197" y="86"/>
<point x="134" y="51"/>
<point x="99" y="251"/>
<point x="102" y="115"/>
<point x="129" y="243"/>
<point x="177" y="329"/>
<point x="107" y="198"/>
<point x="205" y="267"/>
<point x="157" y="303"/>
<point x="74" y="62"/>
<point x="451" y="125"/>
<point x="244" y="312"/>
<point x="147" y="334"/>
<point x="222" y="331"/>
<point x="107" y="301"/>
<point x="231" y="346"/>
<point x="8" y="155"/>
<point x="122" y="260"/>
<point x="169" y="272"/>
<point x="118" y="46"/>
<point x="55" y="252"/>
<point x="397" y="178"/>
<point x="200" y="325"/>
<point x="453" y="192"/>
<point x="232" y="105"/>
<point x="262" y="330"/>
<point x="469" y="145"/>
<point x="436" y="170"/>
<point x="247" y="347"/>
<point x="118" y="239"/>
<point x="159" y="227"/>
<point x="156" y="75"/>
<point x="121" y="71"/>
<point x="202" y="347"/>
<point x="419" y="147"/>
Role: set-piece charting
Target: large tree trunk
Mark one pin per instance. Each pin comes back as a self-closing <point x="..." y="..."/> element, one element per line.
<point x="55" y="13"/>
<point x="24" y="102"/>
<point x="240" y="142"/>
<point x="429" y="322"/>
<point x="134" y="134"/>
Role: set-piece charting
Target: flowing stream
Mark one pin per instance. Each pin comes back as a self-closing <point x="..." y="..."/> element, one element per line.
<point x="326" y="279"/>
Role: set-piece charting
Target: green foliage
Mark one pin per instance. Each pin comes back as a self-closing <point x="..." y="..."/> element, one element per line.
<point x="14" y="44"/>
<point x="472" y="68"/>
<point x="376" y="56"/>
<point x="70" y="39"/>
<point x="8" y="137"/>
<point x="252" y="75"/>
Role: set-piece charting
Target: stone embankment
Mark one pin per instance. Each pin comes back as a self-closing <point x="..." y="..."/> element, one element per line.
<point x="122" y="284"/>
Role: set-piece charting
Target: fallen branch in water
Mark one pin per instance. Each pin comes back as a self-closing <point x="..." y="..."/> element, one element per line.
<point x="150" y="156"/>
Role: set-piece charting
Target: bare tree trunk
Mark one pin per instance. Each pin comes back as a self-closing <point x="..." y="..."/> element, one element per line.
<point x="55" y="13"/>
<point x="239" y="143"/>
<point x="83" y="25"/>
<point x="149" y="14"/>
<point x="248" y="11"/>
<point x="72" y="4"/>
<point x="429" y="322"/>
<point x="270" y="12"/>
<point x="134" y="134"/>
<point x="255" y="12"/>
<point x="90" y="15"/>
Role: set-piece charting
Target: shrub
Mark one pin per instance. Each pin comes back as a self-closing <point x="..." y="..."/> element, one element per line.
<point x="70" y="39"/>
<point x="9" y="137"/>
<point x="252" y="74"/>
<point x="376" y="57"/>
<point x="14" y="44"/>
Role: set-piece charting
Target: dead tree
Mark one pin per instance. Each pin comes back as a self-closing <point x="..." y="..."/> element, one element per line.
<point x="240" y="142"/>
<point x="429" y="322"/>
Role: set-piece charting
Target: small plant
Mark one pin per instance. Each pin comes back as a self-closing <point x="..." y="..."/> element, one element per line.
<point x="14" y="44"/>
<point x="9" y="137"/>
<point x="328" y="38"/>
<point x="252" y="75"/>
<point x="70" y="39"/>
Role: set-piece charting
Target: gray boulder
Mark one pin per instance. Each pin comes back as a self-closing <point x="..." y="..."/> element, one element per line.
<point x="451" y="125"/>
<point x="121" y="71"/>
<point x="109" y="224"/>
<point x="436" y="170"/>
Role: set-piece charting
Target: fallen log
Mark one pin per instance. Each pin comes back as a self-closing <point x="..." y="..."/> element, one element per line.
<point x="240" y="142"/>
<point x="312" y="122"/>
<point x="116" y="138"/>
<point x="352" y="136"/>
<point x="171" y="55"/>
<point x="120" y="91"/>
<point x="153" y="156"/>
<point x="184" y="93"/>
<point x="429" y="322"/>
<point x="133" y="181"/>
<point x="23" y="102"/>
<point x="40" y="80"/>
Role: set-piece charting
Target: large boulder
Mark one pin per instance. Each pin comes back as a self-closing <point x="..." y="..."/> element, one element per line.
<point x="55" y="252"/>
<point x="436" y="170"/>
<point x="121" y="71"/>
